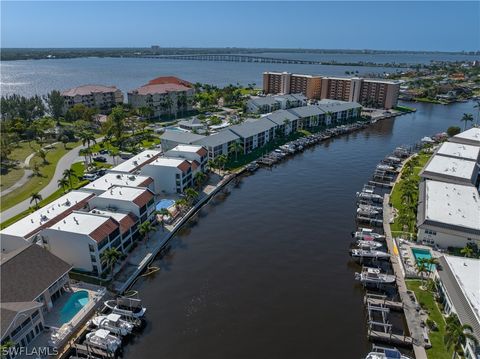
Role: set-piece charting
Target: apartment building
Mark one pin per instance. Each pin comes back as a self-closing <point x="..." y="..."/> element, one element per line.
<point x="468" y="137"/>
<point x="459" y="150"/>
<point x="33" y="279"/>
<point x="254" y="133"/>
<point x="458" y="288"/>
<point x="287" y="83"/>
<point x="133" y="165"/>
<point x="164" y="95"/>
<point x="448" y="214"/>
<point x="103" y="98"/>
<point x="112" y="179"/>
<point x="286" y="121"/>
<point x="451" y="170"/>
<point x="367" y="92"/>
<point x="171" y="139"/>
<point x="339" y="111"/>
<point x="218" y="144"/>
<point x="171" y="175"/>
<point x="195" y="154"/>
<point x="25" y="230"/>
<point x="136" y="200"/>
<point x="266" y="104"/>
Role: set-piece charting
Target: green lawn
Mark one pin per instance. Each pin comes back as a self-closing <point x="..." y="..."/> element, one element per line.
<point x="76" y="183"/>
<point x="396" y="194"/>
<point x="20" y="153"/>
<point x="36" y="183"/>
<point x="438" y="349"/>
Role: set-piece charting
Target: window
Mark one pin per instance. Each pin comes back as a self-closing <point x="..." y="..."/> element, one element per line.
<point x="102" y="243"/>
<point x="93" y="259"/>
<point x="91" y="248"/>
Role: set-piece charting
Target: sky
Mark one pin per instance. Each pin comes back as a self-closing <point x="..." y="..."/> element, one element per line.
<point x="381" y="25"/>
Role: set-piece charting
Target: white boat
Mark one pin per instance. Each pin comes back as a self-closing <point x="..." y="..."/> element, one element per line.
<point x="367" y="234"/>
<point x="366" y="210"/>
<point x="127" y="307"/>
<point x="374" y="276"/>
<point x="384" y="167"/>
<point x="368" y="254"/>
<point x="368" y="244"/>
<point x="102" y="339"/>
<point x="385" y="353"/>
<point x="113" y="323"/>
<point x="369" y="196"/>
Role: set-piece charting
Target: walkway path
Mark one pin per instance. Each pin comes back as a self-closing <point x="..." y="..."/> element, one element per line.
<point x="65" y="162"/>
<point x="410" y="307"/>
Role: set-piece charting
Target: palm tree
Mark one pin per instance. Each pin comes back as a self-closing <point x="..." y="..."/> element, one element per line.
<point x="162" y="212"/>
<point x="467" y="117"/>
<point x="87" y="137"/>
<point x="63" y="182"/>
<point x="456" y="335"/>
<point x="422" y="269"/>
<point x="221" y="161"/>
<point x="235" y="147"/>
<point x="191" y="195"/>
<point x="86" y="152"/>
<point x="70" y="174"/>
<point x="199" y="178"/>
<point x="110" y="257"/>
<point x="43" y="155"/>
<point x="467" y="252"/>
<point x="114" y="152"/>
<point x="181" y="204"/>
<point x="212" y="164"/>
<point x="36" y="197"/>
<point x="477" y="106"/>
<point x="144" y="229"/>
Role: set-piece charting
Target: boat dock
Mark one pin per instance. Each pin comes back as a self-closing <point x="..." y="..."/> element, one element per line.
<point x="89" y="350"/>
<point x="389" y="337"/>
<point x="381" y="300"/>
<point x="375" y="222"/>
<point x="380" y="330"/>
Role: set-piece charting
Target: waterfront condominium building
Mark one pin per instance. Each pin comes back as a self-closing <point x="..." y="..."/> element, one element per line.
<point x="25" y="231"/>
<point x="103" y="98"/>
<point x="448" y="214"/>
<point x="81" y="237"/>
<point x="458" y="288"/>
<point x="171" y="175"/>
<point x="468" y="137"/>
<point x="367" y="92"/>
<point x="32" y="281"/>
<point x="164" y="96"/>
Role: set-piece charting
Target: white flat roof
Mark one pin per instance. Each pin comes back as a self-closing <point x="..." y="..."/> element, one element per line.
<point x="135" y="162"/>
<point x="452" y="204"/>
<point x="186" y="148"/>
<point x="80" y="222"/>
<point x="448" y="166"/>
<point x="467" y="274"/>
<point x="116" y="179"/>
<point x="472" y="136"/>
<point x="34" y="221"/>
<point x="122" y="193"/>
<point x="459" y="150"/>
<point x="168" y="161"/>
<point x="118" y="216"/>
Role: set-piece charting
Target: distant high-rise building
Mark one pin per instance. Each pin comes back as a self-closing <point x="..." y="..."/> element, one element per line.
<point x="368" y="92"/>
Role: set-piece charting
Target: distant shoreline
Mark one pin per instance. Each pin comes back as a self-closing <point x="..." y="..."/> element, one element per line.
<point x="13" y="54"/>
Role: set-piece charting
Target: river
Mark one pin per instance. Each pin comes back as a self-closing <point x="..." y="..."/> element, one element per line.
<point x="39" y="77"/>
<point x="264" y="272"/>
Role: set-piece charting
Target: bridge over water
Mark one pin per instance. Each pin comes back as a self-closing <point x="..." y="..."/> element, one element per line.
<point x="237" y="58"/>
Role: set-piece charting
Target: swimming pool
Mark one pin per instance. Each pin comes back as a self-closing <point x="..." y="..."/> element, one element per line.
<point x="73" y="305"/>
<point x="165" y="204"/>
<point x="422" y="254"/>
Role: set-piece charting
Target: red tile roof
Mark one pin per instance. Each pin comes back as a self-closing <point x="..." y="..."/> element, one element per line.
<point x="184" y="166"/>
<point x="163" y="80"/>
<point x="146" y="183"/>
<point x="202" y="152"/>
<point x="127" y="222"/>
<point x="143" y="199"/>
<point x="160" y="89"/>
<point x="195" y="165"/>
<point x="88" y="89"/>
<point x="104" y="230"/>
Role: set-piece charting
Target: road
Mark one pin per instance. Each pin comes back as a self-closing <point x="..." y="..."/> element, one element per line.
<point x="65" y="162"/>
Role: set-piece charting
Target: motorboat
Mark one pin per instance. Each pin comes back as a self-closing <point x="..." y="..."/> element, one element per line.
<point x="384" y="167"/>
<point x="374" y="276"/>
<point x="385" y="353"/>
<point x="368" y="254"/>
<point x="368" y="234"/>
<point x="368" y="244"/>
<point x="127" y="307"/>
<point x="113" y="323"/>
<point x="369" y="196"/>
<point x="367" y="210"/>
<point x="103" y="339"/>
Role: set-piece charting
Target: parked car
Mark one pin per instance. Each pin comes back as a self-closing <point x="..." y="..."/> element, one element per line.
<point x="103" y="152"/>
<point x="125" y="155"/>
<point x="100" y="159"/>
<point x="90" y="176"/>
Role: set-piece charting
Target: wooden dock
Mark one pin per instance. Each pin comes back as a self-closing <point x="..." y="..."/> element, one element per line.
<point x="377" y="301"/>
<point x="88" y="350"/>
<point x="396" y="339"/>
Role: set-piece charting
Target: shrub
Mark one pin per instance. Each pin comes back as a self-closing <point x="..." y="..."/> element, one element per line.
<point x="453" y="130"/>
